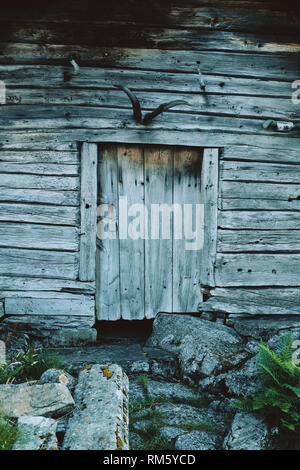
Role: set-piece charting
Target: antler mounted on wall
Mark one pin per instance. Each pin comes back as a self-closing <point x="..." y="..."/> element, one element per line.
<point x="137" y="112"/>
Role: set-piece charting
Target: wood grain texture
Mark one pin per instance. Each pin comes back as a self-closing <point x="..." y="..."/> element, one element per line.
<point x="108" y="301"/>
<point x="36" y="236"/>
<point x="56" y="304"/>
<point x="257" y="269"/>
<point x="39" y="213"/>
<point x="151" y="37"/>
<point x="38" y="263"/>
<point x="251" y="195"/>
<point x="21" y="284"/>
<point x="266" y="220"/>
<point x="276" y="66"/>
<point x="38" y="79"/>
<point x="158" y="252"/>
<point x="232" y="241"/>
<point x="187" y="261"/>
<point x="256" y="171"/>
<point x="88" y="211"/>
<point x="40" y="196"/>
<point x="209" y="197"/>
<point x="132" y="251"/>
<point x="251" y="301"/>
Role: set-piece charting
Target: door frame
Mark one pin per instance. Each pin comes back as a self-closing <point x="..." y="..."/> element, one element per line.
<point x="88" y="211"/>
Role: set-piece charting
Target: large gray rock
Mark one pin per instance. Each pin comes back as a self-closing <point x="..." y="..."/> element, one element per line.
<point x="244" y="382"/>
<point x="100" y="421"/>
<point x="163" y="364"/>
<point x="136" y="392"/>
<point x="203" y="348"/>
<point x="58" y="376"/>
<point x="198" y="440"/>
<point x="264" y="328"/>
<point x="50" y="400"/>
<point x="241" y="382"/>
<point x="248" y="432"/>
<point x="36" y="433"/>
<point x="170" y="390"/>
<point x="180" y="415"/>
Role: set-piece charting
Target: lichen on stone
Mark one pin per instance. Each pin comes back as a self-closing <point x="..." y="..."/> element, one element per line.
<point x="107" y="372"/>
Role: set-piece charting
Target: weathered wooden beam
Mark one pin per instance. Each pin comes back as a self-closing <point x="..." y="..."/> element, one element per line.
<point x="40" y="196"/>
<point x="209" y="197"/>
<point x="36" y="236"/>
<point x="55" y="138"/>
<point x="39" y="213"/>
<point x="233" y="241"/>
<point x="273" y="153"/>
<point x="45" y="157"/>
<point x="250" y="301"/>
<point x="276" y="66"/>
<point x="88" y="208"/>
<point x="55" y="304"/>
<point x="256" y="171"/>
<point x="43" y="169"/>
<point x="25" y="181"/>
<point x="138" y="36"/>
<point x="250" y="195"/>
<point x="21" y="284"/>
<point x="210" y="104"/>
<point x="258" y="220"/>
<point x="46" y="77"/>
<point x="216" y="15"/>
<point x="257" y="269"/>
<point x="44" y="118"/>
<point x="38" y="263"/>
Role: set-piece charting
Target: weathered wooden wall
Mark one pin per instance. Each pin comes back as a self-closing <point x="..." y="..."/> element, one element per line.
<point x="249" y="54"/>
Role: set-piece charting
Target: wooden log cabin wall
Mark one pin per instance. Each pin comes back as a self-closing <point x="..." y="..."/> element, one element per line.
<point x="249" y="58"/>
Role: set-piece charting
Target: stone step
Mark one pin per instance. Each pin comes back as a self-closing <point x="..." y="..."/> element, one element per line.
<point x="100" y="420"/>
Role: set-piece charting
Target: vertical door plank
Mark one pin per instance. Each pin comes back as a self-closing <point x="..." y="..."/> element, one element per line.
<point x="209" y="197"/>
<point x="132" y="266"/>
<point x="107" y="256"/>
<point x="158" y="252"/>
<point x="88" y="209"/>
<point x="186" y="263"/>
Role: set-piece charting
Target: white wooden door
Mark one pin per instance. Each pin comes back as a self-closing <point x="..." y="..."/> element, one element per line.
<point x="142" y="264"/>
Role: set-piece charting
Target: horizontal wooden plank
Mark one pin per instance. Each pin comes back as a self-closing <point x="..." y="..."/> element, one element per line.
<point x="30" y="157"/>
<point x="266" y="154"/>
<point x="256" y="171"/>
<point x="265" y="301"/>
<point x="265" y="220"/>
<point x="268" y="196"/>
<point x="257" y="269"/>
<point x="121" y="35"/>
<point x="43" y="237"/>
<point x="227" y="15"/>
<point x="232" y="105"/>
<point x="24" y="181"/>
<point x="45" y="169"/>
<point x="97" y="78"/>
<point x="54" y="138"/>
<point x="79" y="305"/>
<point x="234" y="241"/>
<point x="19" y="117"/>
<point x="39" y="263"/>
<point x="39" y="213"/>
<point x="276" y="66"/>
<point x="42" y="323"/>
<point x="21" y="284"/>
<point x="40" y="196"/>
